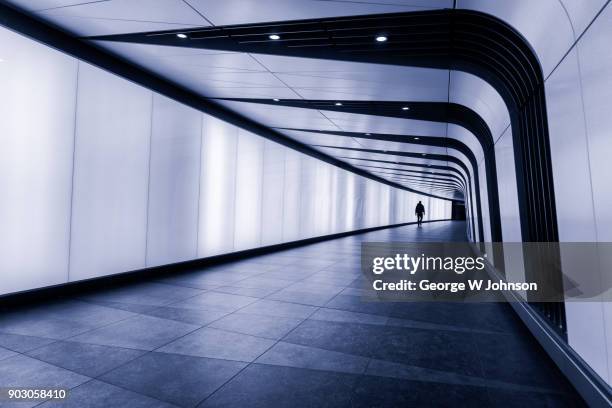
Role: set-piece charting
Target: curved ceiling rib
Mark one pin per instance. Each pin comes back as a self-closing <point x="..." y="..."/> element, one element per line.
<point x="472" y="182"/>
<point x="456" y="39"/>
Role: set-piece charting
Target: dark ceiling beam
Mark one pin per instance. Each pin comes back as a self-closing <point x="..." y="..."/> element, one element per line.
<point x="440" y="176"/>
<point x="424" y="179"/>
<point x="454" y="172"/>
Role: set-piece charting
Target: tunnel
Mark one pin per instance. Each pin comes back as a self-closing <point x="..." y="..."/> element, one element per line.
<point x="305" y="203"/>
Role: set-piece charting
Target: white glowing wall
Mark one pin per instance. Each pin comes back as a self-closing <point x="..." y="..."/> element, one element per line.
<point x="101" y="176"/>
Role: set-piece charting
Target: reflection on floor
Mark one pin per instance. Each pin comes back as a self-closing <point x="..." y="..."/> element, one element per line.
<point x="287" y="329"/>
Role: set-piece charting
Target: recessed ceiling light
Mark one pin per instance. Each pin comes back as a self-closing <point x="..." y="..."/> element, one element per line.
<point x="405" y="108"/>
<point x="338" y="104"/>
<point x="181" y="36"/>
<point x="381" y="38"/>
<point x="276" y="99"/>
<point x="274" y="37"/>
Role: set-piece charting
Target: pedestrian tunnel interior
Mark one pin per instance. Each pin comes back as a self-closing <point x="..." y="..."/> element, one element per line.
<point x="188" y="186"/>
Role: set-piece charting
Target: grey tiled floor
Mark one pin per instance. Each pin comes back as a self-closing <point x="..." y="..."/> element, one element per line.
<point x="287" y="329"/>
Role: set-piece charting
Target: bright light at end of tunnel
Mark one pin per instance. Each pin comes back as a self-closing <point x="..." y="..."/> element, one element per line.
<point x="274" y="37"/>
<point x="338" y="104"/>
<point x="381" y="38"/>
<point x="181" y="36"/>
<point x="405" y="108"/>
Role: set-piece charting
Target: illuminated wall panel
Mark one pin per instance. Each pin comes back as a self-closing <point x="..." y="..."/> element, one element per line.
<point x="292" y="196"/>
<point x="273" y="196"/>
<point x="36" y="145"/>
<point x="307" y="199"/>
<point x="111" y="175"/>
<point x="217" y="187"/>
<point x="174" y="187"/>
<point x="321" y="204"/>
<point x="249" y="167"/>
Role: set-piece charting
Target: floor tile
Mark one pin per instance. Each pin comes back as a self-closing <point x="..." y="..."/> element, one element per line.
<point x="98" y="394"/>
<point x="271" y="327"/>
<point x="264" y="386"/>
<point x="304" y="298"/>
<point x="6" y="353"/>
<point x="223" y="302"/>
<point x="142" y="332"/>
<point x="334" y="315"/>
<point x="177" y="379"/>
<point x="252" y="292"/>
<point x="390" y="392"/>
<point x="21" y="344"/>
<point x="293" y="355"/>
<point x="259" y="282"/>
<point x="281" y="309"/>
<point x="91" y="360"/>
<point x="24" y="371"/>
<point x="191" y="316"/>
<point x="215" y="343"/>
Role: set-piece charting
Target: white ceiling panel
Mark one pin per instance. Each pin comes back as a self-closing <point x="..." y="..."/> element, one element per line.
<point x="395" y="167"/>
<point x="351" y="122"/>
<point x="123" y="16"/>
<point x="280" y="116"/>
<point x="401" y="147"/>
<point x="38" y="5"/>
<point x="582" y="12"/>
<point x="228" y="12"/>
<point x="310" y="138"/>
<point x="327" y="79"/>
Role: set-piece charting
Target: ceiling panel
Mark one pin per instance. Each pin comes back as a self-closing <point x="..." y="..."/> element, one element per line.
<point x="351" y="122"/>
<point x="322" y="139"/>
<point x="280" y="116"/>
<point x="228" y="12"/>
<point x="118" y="16"/>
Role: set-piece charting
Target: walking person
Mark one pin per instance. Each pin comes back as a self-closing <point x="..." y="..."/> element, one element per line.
<point x="419" y="211"/>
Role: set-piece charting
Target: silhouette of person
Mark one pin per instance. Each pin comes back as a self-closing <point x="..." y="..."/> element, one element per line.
<point x="419" y="211"/>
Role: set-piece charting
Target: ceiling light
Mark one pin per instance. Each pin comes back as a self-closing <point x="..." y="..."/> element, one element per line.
<point x="338" y="104"/>
<point x="181" y="36"/>
<point x="381" y="38"/>
<point x="405" y="108"/>
<point x="276" y="99"/>
<point x="274" y="37"/>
